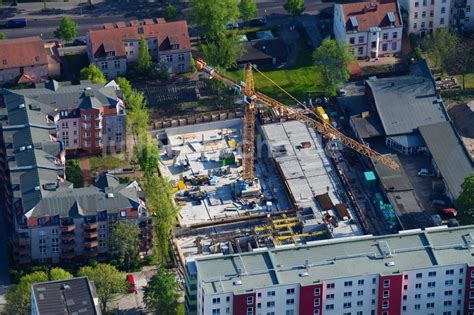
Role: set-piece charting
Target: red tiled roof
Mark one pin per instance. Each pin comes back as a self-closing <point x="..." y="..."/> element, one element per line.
<point x="22" y="52"/>
<point x="370" y="14"/>
<point x="111" y="39"/>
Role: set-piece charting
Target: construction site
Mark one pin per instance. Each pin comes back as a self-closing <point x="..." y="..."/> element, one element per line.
<point x="260" y="181"/>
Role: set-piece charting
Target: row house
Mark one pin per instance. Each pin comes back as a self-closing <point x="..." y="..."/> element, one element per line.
<point x="89" y="118"/>
<point x="426" y="272"/>
<point x="114" y="46"/>
<point x="371" y="29"/>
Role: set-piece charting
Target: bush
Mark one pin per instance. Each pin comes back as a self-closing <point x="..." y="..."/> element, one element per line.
<point x="74" y="173"/>
<point x="418" y="54"/>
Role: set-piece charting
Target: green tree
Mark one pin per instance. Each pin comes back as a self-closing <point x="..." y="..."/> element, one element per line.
<point x="170" y="12"/>
<point x="3" y="35"/>
<point x="146" y="153"/>
<point x="212" y="16"/>
<point x="18" y="297"/>
<point x="74" y="173"/>
<point x="59" y="274"/>
<point x="144" y="62"/>
<point x="67" y="29"/>
<point x="159" y="200"/>
<point x="223" y="52"/>
<point x="440" y="46"/>
<point x="294" y="7"/>
<point x="108" y="281"/>
<point x="137" y="115"/>
<point x="332" y="60"/>
<point x="161" y="294"/>
<point x="93" y="74"/>
<point x="125" y="244"/>
<point x="465" y="201"/>
<point x="248" y="9"/>
<point x="125" y="86"/>
<point x="461" y="60"/>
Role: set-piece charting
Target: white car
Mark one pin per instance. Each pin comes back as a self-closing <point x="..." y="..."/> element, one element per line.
<point x="424" y="172"/>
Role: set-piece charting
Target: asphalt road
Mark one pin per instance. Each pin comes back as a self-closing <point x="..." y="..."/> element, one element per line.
<point x="45" y="26"/>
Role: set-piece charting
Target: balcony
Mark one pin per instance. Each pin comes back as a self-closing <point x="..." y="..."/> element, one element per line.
<point x="23" y="259"/>
<point x="91" y="243"/>
<point x="68" y="228"/>
<point x="91" y="234"/>
<point x="23" y="240"/>
<point x="90" y="226"/>
<point x="68" y="246"/>
<point x="68" y="237"/>
<point x="23" y="251"/>
<point x="91" y="253"/>
<point x="68" y="255"/>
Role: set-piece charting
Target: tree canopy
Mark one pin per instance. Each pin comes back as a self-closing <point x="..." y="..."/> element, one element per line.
<point x="248" y="9"/>
<point x="125" y="244"/>
<point x="18" y="297"/>
<point x="144" y="62"/>
<point x="170" y="12"/>
<point x="160" y="294"/>
<point x="465" y="201"/>
<point x="212" y="16"/>
<point x="92" y="73"/>
<point x="294" y="7"/>
<point x="332" y="60"/>
<point x="108" y="281"/>
<point x="223" y="52"/>
<point x="3" y="35"/>
<point x="67" y="29"/>
<point x="440" y="45"/>
<point x="461" y="60"/>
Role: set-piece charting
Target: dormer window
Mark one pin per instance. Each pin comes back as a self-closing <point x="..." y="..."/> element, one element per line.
<point x="37" y="58"/>
<point x="175" y="46"/>
<point x="141" y="30"/>
<point x="5" y="62"/>
<point x="111" y="54"/>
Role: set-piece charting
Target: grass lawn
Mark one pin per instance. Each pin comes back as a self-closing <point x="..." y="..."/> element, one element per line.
<point x="296" y="81"/>
<point x="100" y="164"/>
<point x="469" y="80"/>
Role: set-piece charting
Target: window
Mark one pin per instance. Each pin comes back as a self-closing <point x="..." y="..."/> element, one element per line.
<point x="416" y="4"/>
<point x="432" y="274"/>
<point x="415" y="26"/>
<point x="448" y="282"/>
<point x="271" y="304"/>
<point x="290" y="312"/>
<point x="405" y="277"/>
<point x="386" y="294"/>
<point x="290" y="291"/>
<point x="347" y="305"/>
<point x="394" y="46"/>
<point x="373" y="291"/>
<point x="460" y="280"/>
<point x="361" y="39"/>
<point x="384" y="47"/>
<point x="430" y="305"/>
<point x="249" y="310"/>
<point x="423" y="14"/>
<point x="5" y="62"/>
<point x="385" y="36"/>
<point x="384" y="313"/>
<point x="259" y="305"/>
<point x="386" y="283"/>
<point x="431" y="284"/>
<point x="416" y="15"/>
<point x="443" y="10"/>
<point x="374" y="44"/>
<point x="431" y="13"/>
<point x="417" y="296"/>
<point x="249" y="300"/>
<point x="385" y="304"/>
<point x="117" y="64"/>
<point x="441" y="21"/>
<point x="360" y="50"/>
<point x="169" y="58"/>
<point x="418" y="285"/>
<point x="430" y="24"/>
<point x="271" y="293"/>
<point x="424" y="3"/>
<point x="352" y="40"/>
<point x="290" y="301"/>
<point x="405" y="298"/>
<point x="472" y="273"/>
<point x="141" y="30"/>
<point x="348" y="283"/>
<point x="419" y="275"/>
<point x="448" y="303"/>
<point x="123" y="213"/>
<point x="104" y="65"/>
<point x="468" y="8"/>
<point x="329" y="296"/>
<point x="360" y="303"/>
<point x="374" y="280"/>
<point x="317" y="302"/>
<point x="422" y="24"/>
<point x="471" y="305"/>
<point x="216" y="311"/>
<point x="347" y="294"/>
<point x="329" y="306"/>
<point x="317" y="291"/>
<point x="181" y="57"/>
<point x="316" y="312"/>
<point x="417" y="306"/>
<point x="430" y="295"/>
<point x="360" y="292"/>
<point x="395" y="35"/>
<point x="405" y="287"/>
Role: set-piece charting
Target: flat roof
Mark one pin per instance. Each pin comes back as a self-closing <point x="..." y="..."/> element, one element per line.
<point x="336" y="258"/>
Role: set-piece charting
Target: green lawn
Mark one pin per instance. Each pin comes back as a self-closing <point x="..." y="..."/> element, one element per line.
<point x="101" y="164"/>
<point x="469" y="80"/>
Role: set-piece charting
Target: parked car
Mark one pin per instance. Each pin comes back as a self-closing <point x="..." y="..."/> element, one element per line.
<point x="453" y="222"/>
<point x="424" y="172"/>
<point x="79" y="42"/>
<point x="16" y="23"/>
<point x="448" y="213"/>
<point x="437" y="221"/>
<point x="258" y="22"/>
<point x="131" y="283"/>
<point x="56" y="43"/>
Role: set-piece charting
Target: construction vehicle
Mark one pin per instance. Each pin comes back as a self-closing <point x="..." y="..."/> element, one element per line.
<point x="252" y="96"/>
<point x="322" y="114"/>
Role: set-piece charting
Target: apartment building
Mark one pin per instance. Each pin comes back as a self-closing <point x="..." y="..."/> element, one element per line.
<point x="414" y="272"/>
<point x="422" y="17"/>
<point x="114" y="46"/>
<point x="462" y="15"/>
<point x="68" y="297"/>
<point x="89" y="118"/>
<point x="370" y="28"/>
<point x="23" y="60"/>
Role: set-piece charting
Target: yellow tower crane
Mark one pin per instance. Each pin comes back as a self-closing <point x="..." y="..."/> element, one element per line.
<point x="252" y="96"/>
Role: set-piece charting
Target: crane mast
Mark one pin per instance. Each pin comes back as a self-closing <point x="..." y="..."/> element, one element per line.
<point x="326" y="130"/>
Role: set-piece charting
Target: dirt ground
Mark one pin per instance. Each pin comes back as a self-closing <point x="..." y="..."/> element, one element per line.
<point x="462" y="114"/>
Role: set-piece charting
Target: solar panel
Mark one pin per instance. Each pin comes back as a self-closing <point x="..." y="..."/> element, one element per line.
<point x="391" y="17"/>
<point x="354" y="22"/>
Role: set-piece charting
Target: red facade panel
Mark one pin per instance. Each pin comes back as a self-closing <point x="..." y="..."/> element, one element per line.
<point x="469" y="296"/>
<point x="309" y="296"/>
<point x="391" y="288"/>
<point x="241" y="303"/>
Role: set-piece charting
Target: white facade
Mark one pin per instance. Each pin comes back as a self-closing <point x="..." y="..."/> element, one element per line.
<point x="278" y="300"/>
<point x="374" y="42"/>
<point x="218" y="304"/>
<point x="422" y="17"/>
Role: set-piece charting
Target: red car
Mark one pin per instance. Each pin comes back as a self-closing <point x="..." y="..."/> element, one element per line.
<point x="131" y="284"/>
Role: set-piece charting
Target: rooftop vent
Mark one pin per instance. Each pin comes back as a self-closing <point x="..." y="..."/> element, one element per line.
<point x="21" y="106"/>
<point x="50" y="186"/>
<point x="304" y="274"/>
<point x="237" y="282"/>
<point x="66" y="287"/>
<point x="22" y="149"/>
<point x="389" y="264"/>
<point x="110" y="195"/>
<point x="29" y="147"/>
<point x="37" y="188"/>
